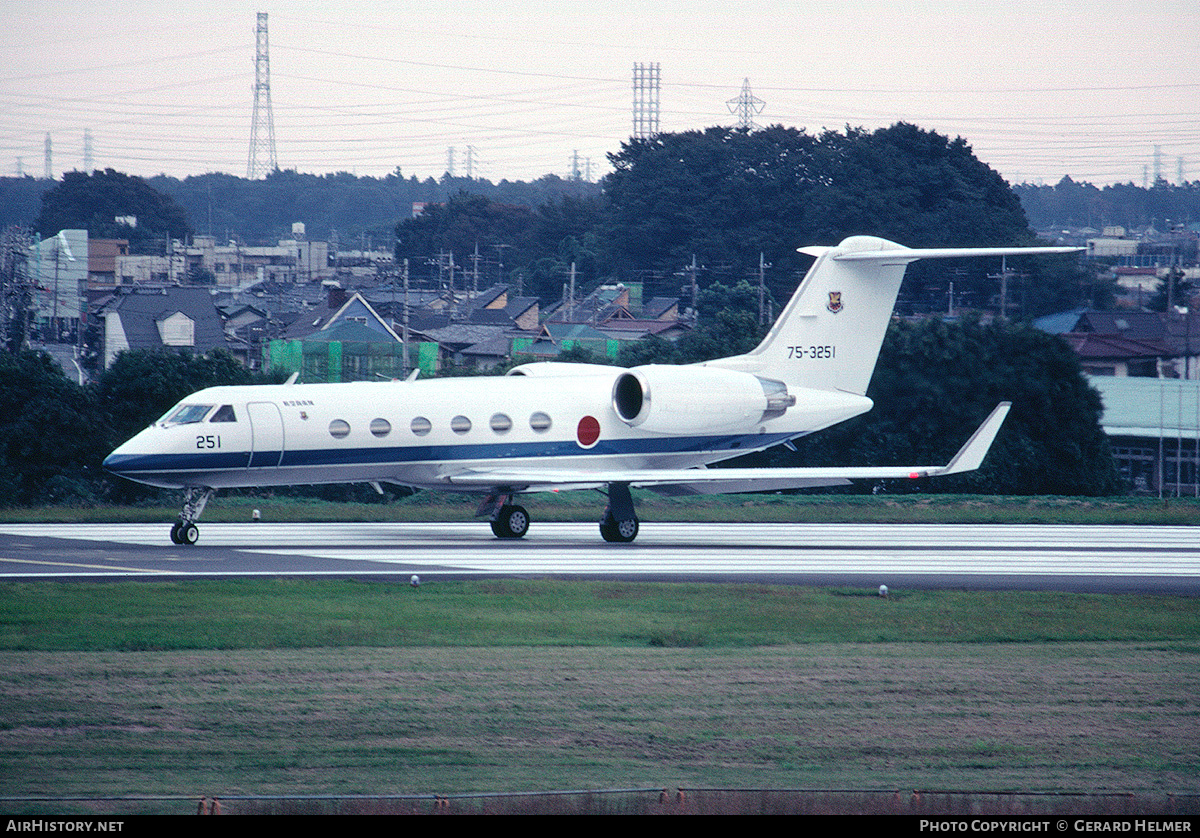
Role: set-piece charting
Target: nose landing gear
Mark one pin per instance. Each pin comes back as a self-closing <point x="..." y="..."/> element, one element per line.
<point x="185" y="531"/>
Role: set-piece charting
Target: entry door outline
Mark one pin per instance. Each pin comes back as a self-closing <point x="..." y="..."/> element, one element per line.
<point x="266" y="431"/>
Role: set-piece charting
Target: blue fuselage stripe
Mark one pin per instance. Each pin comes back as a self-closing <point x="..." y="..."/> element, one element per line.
<point x="131" y="464"/>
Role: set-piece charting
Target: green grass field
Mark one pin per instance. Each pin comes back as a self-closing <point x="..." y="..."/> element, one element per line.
<point x="324" y="687"/>
<point x="318" y="687"/>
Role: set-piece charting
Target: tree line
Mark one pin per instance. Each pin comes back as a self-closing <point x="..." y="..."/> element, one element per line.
<point x="1077" y="204"/>
<point x="726" y="200"/>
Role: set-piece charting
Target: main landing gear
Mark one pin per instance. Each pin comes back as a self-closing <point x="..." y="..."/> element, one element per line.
<point x="619" y="525"/>
<point x="620" y="522"/>
<point x="510" y="522"/>
<point x="508" y="519"/>
<point x="195" y="499"/>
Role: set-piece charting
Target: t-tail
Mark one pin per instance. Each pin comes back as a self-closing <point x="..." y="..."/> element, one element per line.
<point x="829" y="334"/>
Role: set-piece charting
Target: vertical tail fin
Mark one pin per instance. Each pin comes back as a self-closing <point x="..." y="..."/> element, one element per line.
<point x="829" y="334"/>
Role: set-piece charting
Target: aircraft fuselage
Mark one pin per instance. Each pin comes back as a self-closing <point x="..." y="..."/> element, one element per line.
<point x="415" y="433"/>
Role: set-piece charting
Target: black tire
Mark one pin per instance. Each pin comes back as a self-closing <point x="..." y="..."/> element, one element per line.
<point x="511" y="522"/>
<point x="619" y="532"/>
<point x="188" y="534"/>
<point x="175" y="536"/>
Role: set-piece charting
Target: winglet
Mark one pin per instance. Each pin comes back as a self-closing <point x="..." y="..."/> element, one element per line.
<point x="971" y="455"/>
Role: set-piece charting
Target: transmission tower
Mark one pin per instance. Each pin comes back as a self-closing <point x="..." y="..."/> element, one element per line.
<point x="88" y="164"/>
<point x="746" y="106"/>
<point x="49" y="174"/>
<point x="646" y="79"/>
<point x="262" y="129"/>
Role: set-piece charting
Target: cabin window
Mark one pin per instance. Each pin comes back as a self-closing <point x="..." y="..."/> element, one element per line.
<point x="460" y="424"/>
<point x="187" y="414"/>
<point x="540" y="422"/>
<point x="339" y="429"/>
<point x="381" y="427"/>
<point x="501" y="424"/>
<point x="421" y="426"/>
<point x="224" y="414"/>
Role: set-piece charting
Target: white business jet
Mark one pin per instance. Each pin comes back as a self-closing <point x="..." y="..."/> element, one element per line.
<point x="550" y="426"/>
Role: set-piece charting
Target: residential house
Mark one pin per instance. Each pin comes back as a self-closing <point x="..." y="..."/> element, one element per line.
<point x="167" y="317"/>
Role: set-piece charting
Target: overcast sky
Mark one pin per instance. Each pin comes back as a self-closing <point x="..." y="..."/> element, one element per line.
<point x="1040" y="90"/>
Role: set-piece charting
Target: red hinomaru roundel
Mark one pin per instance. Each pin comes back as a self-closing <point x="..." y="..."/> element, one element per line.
<point x="588" y="431"/>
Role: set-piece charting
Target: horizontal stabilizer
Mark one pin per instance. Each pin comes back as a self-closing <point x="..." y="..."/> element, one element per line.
<point x="912" y="254"/>
<point x="530" y="478"/>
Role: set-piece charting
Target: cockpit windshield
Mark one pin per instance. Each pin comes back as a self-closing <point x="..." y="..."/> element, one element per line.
<point x="186" y="414"/>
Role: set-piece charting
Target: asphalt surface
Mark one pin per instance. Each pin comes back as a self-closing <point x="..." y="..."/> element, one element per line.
<point x="1162" y="560"/>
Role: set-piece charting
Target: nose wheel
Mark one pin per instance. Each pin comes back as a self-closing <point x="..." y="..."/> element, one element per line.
<point x="184" y="533"/>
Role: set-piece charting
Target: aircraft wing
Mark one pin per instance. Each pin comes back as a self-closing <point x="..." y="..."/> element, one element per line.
<point x="719" y="480"/>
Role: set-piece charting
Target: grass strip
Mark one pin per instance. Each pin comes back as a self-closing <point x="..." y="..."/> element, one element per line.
<point x="307" y="613"/>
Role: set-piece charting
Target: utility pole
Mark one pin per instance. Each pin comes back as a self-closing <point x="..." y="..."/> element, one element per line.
<point x="762" y="288"/>
<point x="571" y="297"/>
<point x="404" y="321"/>
<point x="692" y="280"/>
<point x="15" y="246"/>
<point x="500" y="261"/>
<point x="475" y="270"/>
<point x="1003" y="277"/>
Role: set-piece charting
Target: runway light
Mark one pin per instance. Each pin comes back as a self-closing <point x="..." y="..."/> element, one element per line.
<point x="415" y="581"/>
<point x="883" y="591"/>
<point x="256" y="515"/>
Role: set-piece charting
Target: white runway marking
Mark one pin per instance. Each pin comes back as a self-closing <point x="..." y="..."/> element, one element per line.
<point x="662" y="549"/>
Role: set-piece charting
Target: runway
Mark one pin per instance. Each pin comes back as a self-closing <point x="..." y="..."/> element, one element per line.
<point x="1069" y="558"/>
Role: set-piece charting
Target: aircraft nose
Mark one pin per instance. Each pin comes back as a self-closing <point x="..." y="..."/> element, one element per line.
<point x="123" y="456"/>
<point x="113" y="462"/>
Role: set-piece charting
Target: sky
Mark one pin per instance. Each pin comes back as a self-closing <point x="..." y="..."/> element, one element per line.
<point x="1098" y="91"/>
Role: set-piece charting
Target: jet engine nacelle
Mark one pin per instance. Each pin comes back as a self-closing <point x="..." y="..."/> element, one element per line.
<point x="677" y="400"/>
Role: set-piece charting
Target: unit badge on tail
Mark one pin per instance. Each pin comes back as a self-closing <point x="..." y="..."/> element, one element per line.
<point x="835" y="301"/>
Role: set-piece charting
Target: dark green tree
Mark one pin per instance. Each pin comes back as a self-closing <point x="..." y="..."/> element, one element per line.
<point x="94" y="202"/>
<point x="49" y="449"/>
<point x="731" y="194"/>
